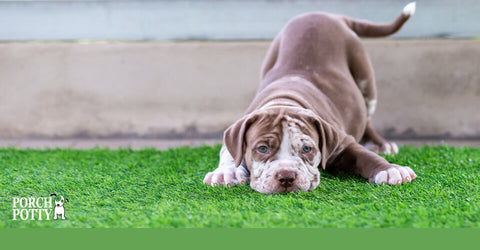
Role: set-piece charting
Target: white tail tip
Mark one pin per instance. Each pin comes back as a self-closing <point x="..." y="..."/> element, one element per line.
<point x="409" y="9"/>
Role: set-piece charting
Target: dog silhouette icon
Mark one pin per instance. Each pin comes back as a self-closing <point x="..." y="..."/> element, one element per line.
<point x="59" y="210"/>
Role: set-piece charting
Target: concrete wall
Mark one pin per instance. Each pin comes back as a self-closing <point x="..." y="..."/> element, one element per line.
<point x="427" y="88"/>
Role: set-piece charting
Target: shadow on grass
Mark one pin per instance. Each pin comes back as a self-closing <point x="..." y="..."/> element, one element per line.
<point x="342" y="176"/>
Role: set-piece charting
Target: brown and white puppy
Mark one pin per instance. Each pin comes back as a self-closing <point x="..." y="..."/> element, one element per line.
<point x="312" y="109"/>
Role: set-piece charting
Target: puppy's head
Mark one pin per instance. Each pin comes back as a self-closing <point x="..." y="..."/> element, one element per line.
<point x="282" y="148"/>
<point x="60" y="200"/>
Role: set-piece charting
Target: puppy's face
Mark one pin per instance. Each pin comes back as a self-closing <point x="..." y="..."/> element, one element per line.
<point x="282" y="155"/>
<point x="283" y="148"/>
<point x="59" y="200"/>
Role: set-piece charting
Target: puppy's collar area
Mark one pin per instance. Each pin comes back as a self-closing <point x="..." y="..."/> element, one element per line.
<point x="280" y="102"/>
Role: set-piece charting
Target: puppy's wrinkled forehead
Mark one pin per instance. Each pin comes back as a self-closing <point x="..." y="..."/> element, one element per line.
<point x="270" y="128"/>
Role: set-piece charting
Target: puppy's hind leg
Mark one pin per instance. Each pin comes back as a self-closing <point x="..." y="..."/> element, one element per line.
<point x="376" y="143"/>
<point x="362" y="72"/>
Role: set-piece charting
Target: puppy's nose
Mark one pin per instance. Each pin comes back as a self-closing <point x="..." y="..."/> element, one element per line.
<point x="286" y="178"/>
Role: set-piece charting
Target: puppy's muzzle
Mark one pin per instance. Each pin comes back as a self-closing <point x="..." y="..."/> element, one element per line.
<point x="286" y="178"/>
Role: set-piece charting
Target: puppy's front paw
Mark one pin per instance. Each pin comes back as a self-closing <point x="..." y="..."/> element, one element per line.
<point x="227" y="176"/>
<point x="395" y="175"/>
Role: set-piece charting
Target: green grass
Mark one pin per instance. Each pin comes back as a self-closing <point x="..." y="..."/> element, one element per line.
<point x="150" y="188"/>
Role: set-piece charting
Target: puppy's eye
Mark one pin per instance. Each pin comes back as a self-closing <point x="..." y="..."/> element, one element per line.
<point x="263" y="150"/>
<point x="306" y="149"/>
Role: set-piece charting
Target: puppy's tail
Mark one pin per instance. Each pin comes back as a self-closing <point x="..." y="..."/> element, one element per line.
<point x="368" y="29"/>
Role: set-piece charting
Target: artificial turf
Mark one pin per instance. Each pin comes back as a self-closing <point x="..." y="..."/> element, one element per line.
<point x="150" y="188"/>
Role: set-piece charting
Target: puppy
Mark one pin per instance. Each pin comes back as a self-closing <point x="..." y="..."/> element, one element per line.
<point x="312" y="110"/>
<point x="59" y="209"/>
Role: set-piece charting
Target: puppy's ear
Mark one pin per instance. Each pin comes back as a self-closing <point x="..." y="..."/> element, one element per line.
<point x="234" y="137"/>
<point x="331" y="139"/>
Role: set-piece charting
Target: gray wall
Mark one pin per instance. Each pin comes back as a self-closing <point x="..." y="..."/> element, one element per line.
<point x="427" y="88"/>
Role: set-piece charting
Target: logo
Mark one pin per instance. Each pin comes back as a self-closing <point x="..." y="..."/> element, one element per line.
<point x="59" y="209"/>
<point x="39" y="208"/>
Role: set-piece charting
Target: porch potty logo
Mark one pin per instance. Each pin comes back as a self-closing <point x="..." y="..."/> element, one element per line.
<point x="39" y="208"/>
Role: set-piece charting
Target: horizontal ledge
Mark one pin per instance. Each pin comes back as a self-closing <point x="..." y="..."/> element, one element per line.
<point x="166" y="144"/>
